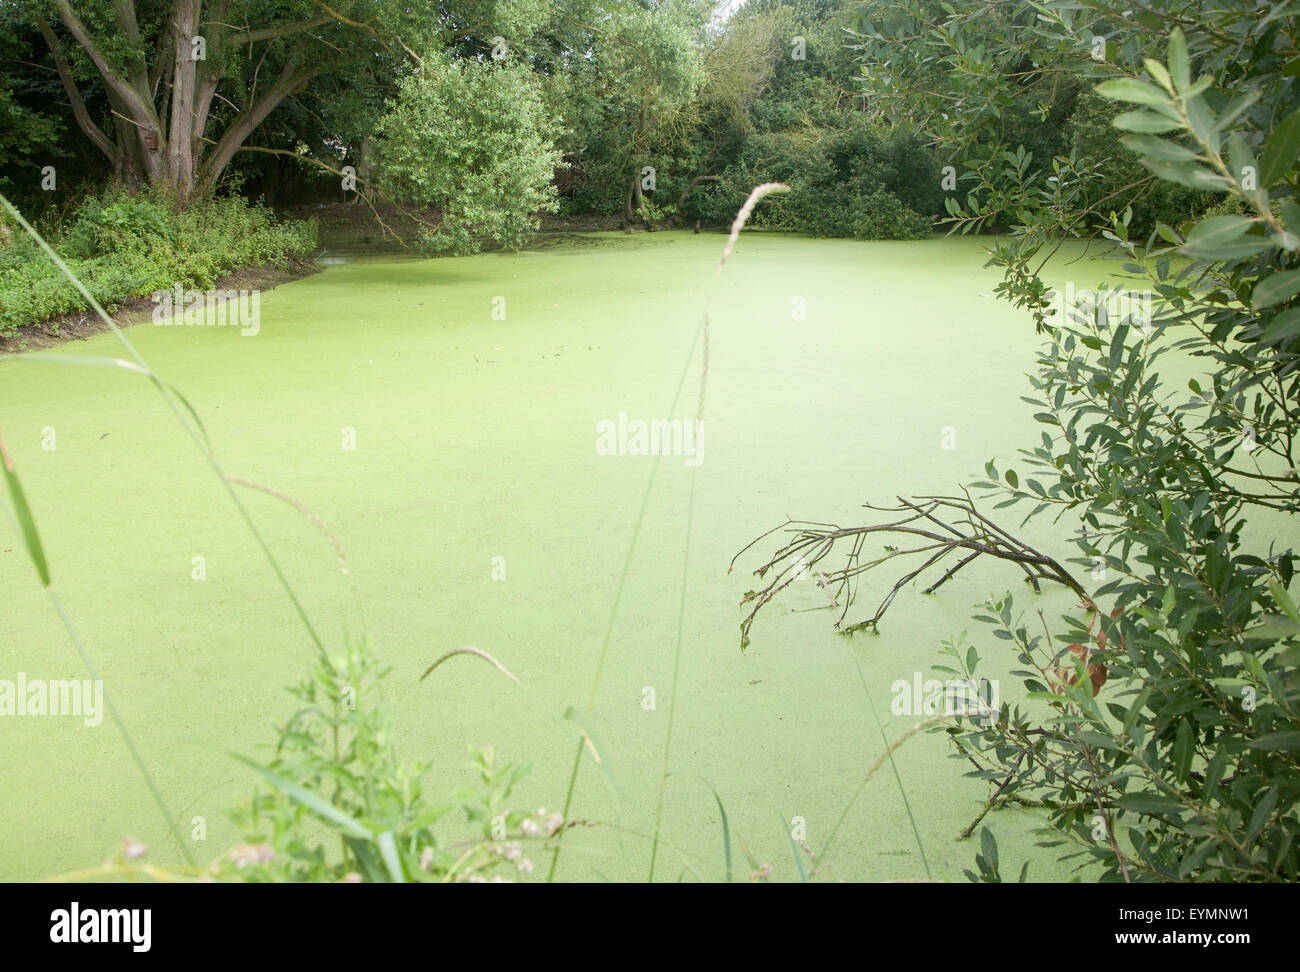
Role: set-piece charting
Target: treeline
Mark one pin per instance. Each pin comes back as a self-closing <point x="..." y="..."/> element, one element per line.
<point x="876" y="133"/>
<point x="474" y="112"/>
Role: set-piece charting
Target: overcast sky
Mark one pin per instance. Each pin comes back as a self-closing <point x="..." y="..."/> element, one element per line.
<point x="725" y="8"/>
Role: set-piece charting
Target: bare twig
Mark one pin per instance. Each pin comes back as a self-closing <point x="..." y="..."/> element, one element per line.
<point x="942" y="524"/>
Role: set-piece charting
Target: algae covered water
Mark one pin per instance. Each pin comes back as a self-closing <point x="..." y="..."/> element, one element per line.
<point x="478" y="434"/>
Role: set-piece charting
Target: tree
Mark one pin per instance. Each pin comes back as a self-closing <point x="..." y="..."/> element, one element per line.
<point x="629" y="89"/>
<point x="170" y="90"/>
<point x="473" y="140"/>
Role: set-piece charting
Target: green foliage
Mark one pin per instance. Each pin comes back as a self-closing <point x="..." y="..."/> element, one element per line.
<point x="629" y="98"/>
<point x="123" y="246"/>
<point x="341" y="806"/>
<point x="473" y="140"/>
<point x="984" y="83"/>
<point x="1093" y="136"/>
<point x="986" y="861"/>
<point x="853" y="182"/>
<point x="103" y="225"/>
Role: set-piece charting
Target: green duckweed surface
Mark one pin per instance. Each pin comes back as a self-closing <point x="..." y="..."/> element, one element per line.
<point x="475" y="439"/>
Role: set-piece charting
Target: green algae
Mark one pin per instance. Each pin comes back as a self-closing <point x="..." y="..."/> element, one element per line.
<point x="839" y="372"/>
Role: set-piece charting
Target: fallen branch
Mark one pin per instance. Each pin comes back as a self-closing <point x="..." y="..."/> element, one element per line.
<point x="940" y="525"/>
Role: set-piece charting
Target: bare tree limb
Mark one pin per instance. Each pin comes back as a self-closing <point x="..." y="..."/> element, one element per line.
<point x="960" y="527"/>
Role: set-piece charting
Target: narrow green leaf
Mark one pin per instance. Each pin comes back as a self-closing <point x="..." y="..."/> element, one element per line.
<point x="1287" y="741"/>
<point x="1281" y="151"/>
<point x="1179" y="66"/>
<point x="1157" y="71"/>
<point x="1145" y="121"/>
<point x="1159" y="148"/>
<point x="1275" y="288"/>
<point x="1218" y="229"/>
<point x="1116" y="353"/>
<point x="989" y="847"/>
<point x="1273" y="627"/>
<point x="794" y="849"/>
<point x="1186" y="174"/>
<point x="1235" y="110"/>
<point x="1130" y="89"/>
<point x="594" y="747"/>
<point x="23" y="513"/>
<point x="1282" y="328"/>
<point x="1183" y="750"/>
<point x="1150" y="803"/>
<point x="1263" y="810"/>
<point x="726" y="834"/>
<point x="312" y="801"/>
<point x="392" y="860"/>
<point x="1283" y="600"/>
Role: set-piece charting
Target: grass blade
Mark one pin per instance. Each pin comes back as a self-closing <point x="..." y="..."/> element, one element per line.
<point x="392" y="860"/>
<point x="312" y="801"/>
<point x="794" y="849"/>
<point x="23" y="515"/>
<point x="726" y="834"/>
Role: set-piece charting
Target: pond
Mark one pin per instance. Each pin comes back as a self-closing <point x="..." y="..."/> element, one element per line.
<point x="444" y="418"/>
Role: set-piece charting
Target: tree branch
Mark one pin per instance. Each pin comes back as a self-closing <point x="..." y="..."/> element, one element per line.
<point x="84" y="121"/>
<point x="969" y="531"/>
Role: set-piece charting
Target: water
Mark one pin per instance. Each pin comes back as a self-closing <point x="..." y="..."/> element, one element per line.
<point x="473" y="388"/>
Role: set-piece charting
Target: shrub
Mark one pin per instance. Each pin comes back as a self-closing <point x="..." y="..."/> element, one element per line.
<point x="123" y="246"/>
<point x="855" y="182"/>
<point x="472" y="140"/>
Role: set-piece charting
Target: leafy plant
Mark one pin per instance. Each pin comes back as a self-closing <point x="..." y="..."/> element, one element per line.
<point x="341" y="805"/>
<point x="472" y="140"/>
<point x="121" y="246"/>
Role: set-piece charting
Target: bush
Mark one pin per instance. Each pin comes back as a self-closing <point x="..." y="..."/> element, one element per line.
<point x="124" y="246"/>
<point x="855" y="182"/>
<point x="472" y="140"/>
<point x="1093" y="137"/>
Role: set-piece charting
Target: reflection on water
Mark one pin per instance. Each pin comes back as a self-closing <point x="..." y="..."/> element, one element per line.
<point x="388" y="251"/>
<point x="384" y="252"/>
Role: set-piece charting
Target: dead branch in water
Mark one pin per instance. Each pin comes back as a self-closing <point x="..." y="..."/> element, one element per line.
<point x="941" y="525"/>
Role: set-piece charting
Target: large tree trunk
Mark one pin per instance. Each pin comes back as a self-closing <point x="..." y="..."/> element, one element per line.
<point x="632" y="205"/>
<point x="161" y="101"/>
<point x="181" y="134"/>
